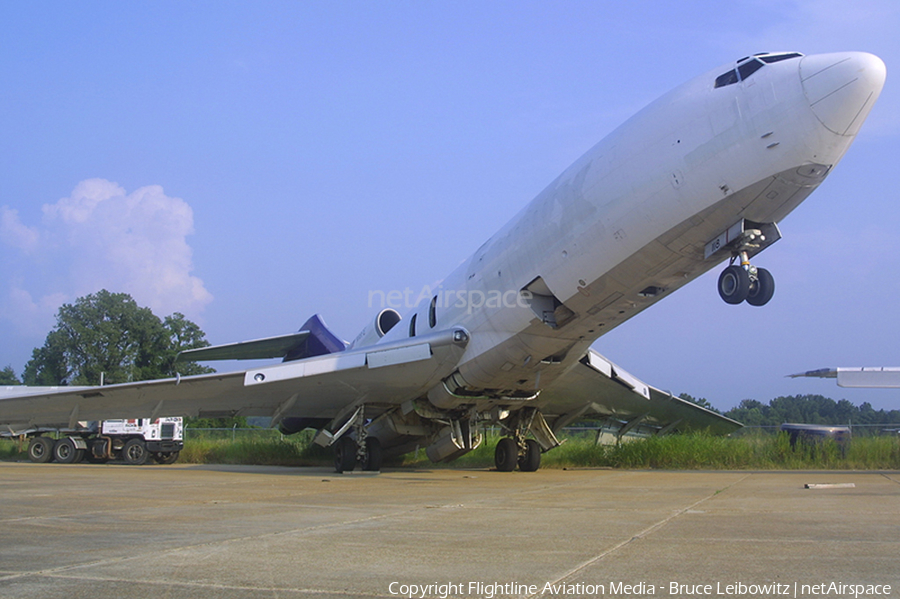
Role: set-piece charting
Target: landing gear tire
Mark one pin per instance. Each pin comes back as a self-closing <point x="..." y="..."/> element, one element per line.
<point x="373" y="454"/>
<point x="135" y="452"/>
<point x="40" y="450"/>
<point x="531" y="459"/>
<point x="762" y="289"/>
<point x="506" y="455"/>
<point x="344" y="455"/>
<point x="734" y="284"/>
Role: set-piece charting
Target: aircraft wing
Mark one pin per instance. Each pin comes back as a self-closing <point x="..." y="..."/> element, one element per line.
<point x="872" y="377"/>
<point x="322" y="387"/>
<point x="596" y="386"/>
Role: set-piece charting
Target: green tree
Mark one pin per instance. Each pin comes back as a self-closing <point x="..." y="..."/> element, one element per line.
<point x="8" y="377"/>
<point x="809" y="409"/>
<point x="109" y="333"/>
<point x="700" y="401"/>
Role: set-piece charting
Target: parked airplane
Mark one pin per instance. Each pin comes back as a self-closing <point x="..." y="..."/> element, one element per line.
<point x="879" y="377"/>
<point x="701" y="175"/>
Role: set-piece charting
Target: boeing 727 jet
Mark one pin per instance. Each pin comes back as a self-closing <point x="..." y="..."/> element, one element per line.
<point x="698" y="177"/>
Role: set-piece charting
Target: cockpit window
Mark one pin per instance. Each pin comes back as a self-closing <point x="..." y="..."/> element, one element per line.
<point x="779" y="57"/>
<point x="727" y="78"/>
<point x="748" y="68"/>
<point x="750" y="64"/>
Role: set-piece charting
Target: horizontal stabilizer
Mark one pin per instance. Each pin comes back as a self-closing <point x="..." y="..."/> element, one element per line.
<point x="313" y="339"/>
<point x="258" y="349"/>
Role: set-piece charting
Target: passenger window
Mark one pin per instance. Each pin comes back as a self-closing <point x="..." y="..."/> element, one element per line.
<point x="412" y="325"/>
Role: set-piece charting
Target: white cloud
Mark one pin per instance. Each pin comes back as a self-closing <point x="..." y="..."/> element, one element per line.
<point x="14" y="233"/>
<point x="100" y="237"/>
<point x="33" y="317"/>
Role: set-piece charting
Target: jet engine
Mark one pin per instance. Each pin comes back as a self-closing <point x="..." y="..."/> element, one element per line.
<point x="372" y="332"/>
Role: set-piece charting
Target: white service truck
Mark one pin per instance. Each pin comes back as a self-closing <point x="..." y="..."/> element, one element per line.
<point x="134" y="441"/>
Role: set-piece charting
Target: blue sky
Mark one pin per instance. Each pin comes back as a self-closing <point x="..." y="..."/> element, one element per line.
<point x="253" y="163"/>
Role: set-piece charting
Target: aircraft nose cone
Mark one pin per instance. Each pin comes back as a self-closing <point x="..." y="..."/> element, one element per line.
<point x="842" y="88"/>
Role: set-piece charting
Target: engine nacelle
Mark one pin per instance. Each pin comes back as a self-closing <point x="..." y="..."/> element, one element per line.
<point x="371" y="333"/>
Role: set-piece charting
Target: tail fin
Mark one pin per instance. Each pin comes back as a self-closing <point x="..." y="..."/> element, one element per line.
<point x="319" y="342"/>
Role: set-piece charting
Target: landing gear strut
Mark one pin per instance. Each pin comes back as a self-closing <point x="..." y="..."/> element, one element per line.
<point x="745" y="282"/>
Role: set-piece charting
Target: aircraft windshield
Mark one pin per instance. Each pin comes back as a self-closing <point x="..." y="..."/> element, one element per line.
<point x="749" y="65"/>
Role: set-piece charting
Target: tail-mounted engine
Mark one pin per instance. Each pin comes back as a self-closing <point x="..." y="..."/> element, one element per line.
<point x="372" y="332"/>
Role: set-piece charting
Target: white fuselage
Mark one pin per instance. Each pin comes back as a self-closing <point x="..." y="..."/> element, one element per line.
<point x="627" y="223"/>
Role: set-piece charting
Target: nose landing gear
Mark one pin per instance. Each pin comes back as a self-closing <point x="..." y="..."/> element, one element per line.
<point x="745" y="282"/>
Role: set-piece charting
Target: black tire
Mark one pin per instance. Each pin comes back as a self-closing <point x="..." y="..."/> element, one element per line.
<point x="66" y="452"/>
<point x="166" y="457"/>
<point x="344" y="455"/>
<point x="734" y="284"/>
<point x="40" y="450"/>
<point x="135" y="452"/>
<point x="531" y="461"/>
<point x="374" y="454"/>
<point x="762" y="289"/>
<point x="506" y="454"/>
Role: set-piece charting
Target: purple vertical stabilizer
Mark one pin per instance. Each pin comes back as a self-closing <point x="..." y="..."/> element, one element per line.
<point x="321" y="341"/>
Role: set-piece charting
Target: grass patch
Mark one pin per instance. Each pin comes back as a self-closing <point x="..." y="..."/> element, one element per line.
<point x="676" y="452"/>
<point x="266" y="448"/>
<point x="9" y="450"/>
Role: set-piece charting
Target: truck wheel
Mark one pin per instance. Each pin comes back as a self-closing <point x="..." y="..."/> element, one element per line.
<point x="166" y="457"/>
<point x="40" y="450"/>
<point x="66" y="452"/>
<point x="135" y="452"/>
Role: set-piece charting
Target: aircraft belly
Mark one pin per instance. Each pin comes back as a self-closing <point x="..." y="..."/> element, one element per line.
<point x="662" y="265"/>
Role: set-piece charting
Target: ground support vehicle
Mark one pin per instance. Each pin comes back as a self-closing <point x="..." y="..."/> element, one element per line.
<point x="134" y="441"/>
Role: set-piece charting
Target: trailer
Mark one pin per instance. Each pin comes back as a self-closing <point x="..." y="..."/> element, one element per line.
<point x="134" y="441"/>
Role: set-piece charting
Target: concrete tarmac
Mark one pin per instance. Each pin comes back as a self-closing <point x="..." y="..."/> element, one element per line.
<point x="114" y="531"/>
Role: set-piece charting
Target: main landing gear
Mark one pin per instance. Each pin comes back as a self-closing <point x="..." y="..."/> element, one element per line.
<point x="745" y="282"/>
<point x="516" y="450"/>
<point x="509" y="454"/>
<point x="356" y="447"/>
<point x="347" y="455"/>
